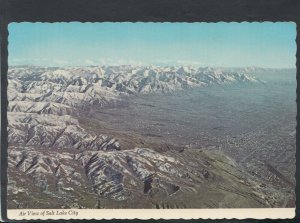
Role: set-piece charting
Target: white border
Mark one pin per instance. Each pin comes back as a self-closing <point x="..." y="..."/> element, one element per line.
<point x="53" y="214"/>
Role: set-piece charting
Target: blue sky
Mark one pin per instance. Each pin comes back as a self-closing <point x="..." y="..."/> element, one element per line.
<point x="200" y="44"/>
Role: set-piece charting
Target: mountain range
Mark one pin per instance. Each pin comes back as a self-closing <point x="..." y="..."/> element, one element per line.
<point x="56" y="162"/>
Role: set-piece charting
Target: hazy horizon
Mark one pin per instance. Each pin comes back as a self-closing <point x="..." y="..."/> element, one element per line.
<point x="152" y="65"/>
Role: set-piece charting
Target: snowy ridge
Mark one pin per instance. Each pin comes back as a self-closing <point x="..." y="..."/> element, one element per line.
<point x="76" y="86"/>
<point x="57" y="132"/>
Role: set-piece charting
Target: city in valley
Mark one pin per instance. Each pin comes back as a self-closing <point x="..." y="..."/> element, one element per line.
<point x="151" y="137"/>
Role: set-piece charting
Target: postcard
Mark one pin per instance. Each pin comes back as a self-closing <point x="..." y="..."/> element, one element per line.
<point x="120" y="120"/>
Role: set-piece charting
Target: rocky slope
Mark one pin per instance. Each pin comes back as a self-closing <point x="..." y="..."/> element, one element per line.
<point x="137" y="178"/>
